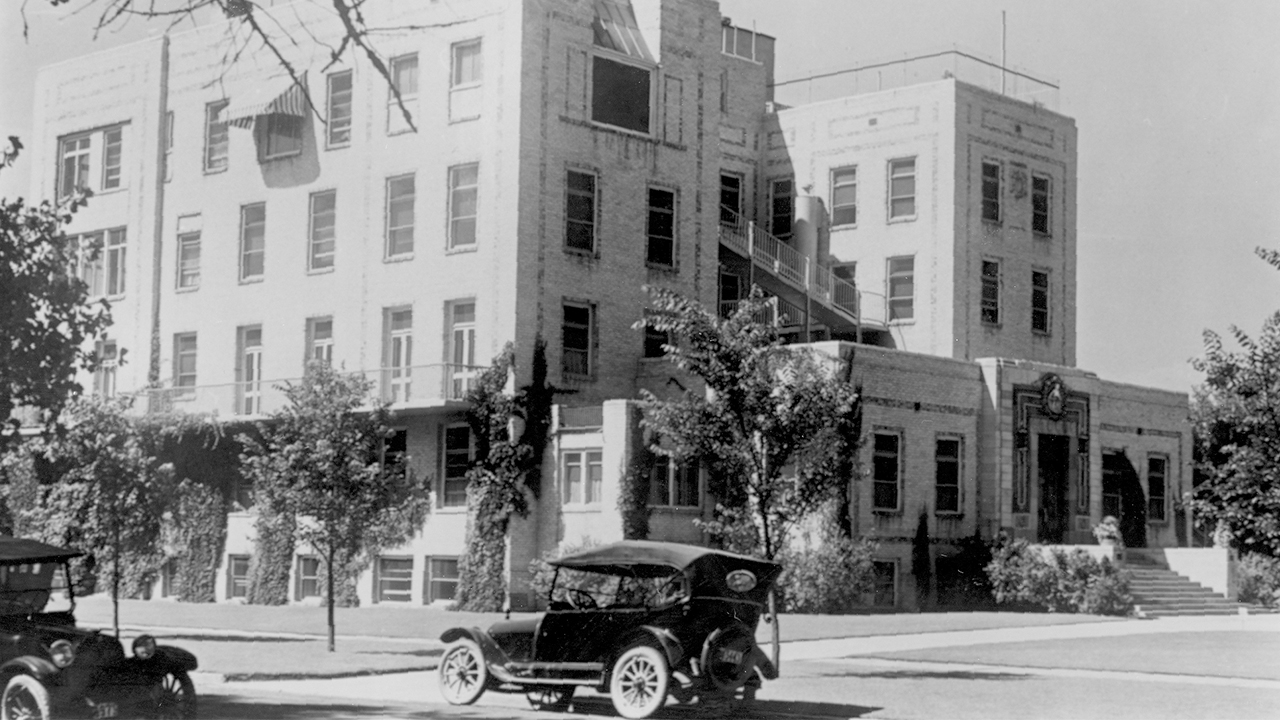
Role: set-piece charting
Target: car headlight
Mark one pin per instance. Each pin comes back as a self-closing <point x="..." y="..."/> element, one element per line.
<point x="144" y="648"/>
<point x="62" y="652"/>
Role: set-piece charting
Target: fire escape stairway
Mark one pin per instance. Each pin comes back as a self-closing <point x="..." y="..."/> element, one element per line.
<point x="1160" y="592"/>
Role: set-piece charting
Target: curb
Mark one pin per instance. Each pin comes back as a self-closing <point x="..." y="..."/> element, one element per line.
<point x="217" y="678"/>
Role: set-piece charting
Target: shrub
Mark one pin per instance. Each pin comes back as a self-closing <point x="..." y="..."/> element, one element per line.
<point x="1023" y="574"/>
<point x="961" y="575"/>
<point x="1259" y="580"/>
<point x="542" y="571"/>
<point x="830" y="576"/>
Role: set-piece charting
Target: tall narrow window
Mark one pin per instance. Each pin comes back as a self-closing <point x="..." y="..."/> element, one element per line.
<point x="216" y="137"/>
<point x="323" y="223"/>
<point x="464" y="81"/>
<point x="394" y="579"/>
<point x="395" y="448"/>
<point x="74" y="168"/>
<point x="114" y="256"/>
<point x="320" y="340"/>
<point x="237" y="576"/>
<point x="580" y="211"/>
<point x="338" y="133"/>
<point x="89" y="252"/>
<point x="885" y="583"/>
<point x="730" y="293"/>
<point x="902" y="188"/>
<point x="253" y="240"/>
<point x="104" y="378"/>
<point x="398" y="351"/>
<point x="459" y="451"/>
<point x="886" y="471"/>
<point x="990" y="292"/>
<point x="400" y="197"/>
<point x="576" y="332"/>
<point x="404" y="79"/>
<point x="1157" y="474"/>
<point x="462" y="350"/>
<point x="1040" y="204"/>
<point x="902" y="288"/>
<point x="1114" y="465"/>
<point x="661" y="230"/>
<point x="730" y="198"/>
<point x="464" y="183"/>
<point x="184" y="364"/>
<point x="844" y="196"/>
<point x="249" y="370"/>
<point x="1039" y="301"/>
<point x="582" y="473"/>
<point x="991" y="192"/>
<point x="112" y="140"/>
<point x="655" y="342"/>
<point x="308" y="577"/>
<point x="189" y="251"/>
<point x="781" y="207"/>
<point x="946" y="460"/>
<point x="673" y="484"/>
<point x="442" y="579"/>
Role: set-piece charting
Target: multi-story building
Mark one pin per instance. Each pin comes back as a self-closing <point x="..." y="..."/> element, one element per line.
<point x="532" y="167"/>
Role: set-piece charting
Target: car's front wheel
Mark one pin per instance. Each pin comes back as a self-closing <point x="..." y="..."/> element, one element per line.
<point x="24" y="699"/>
<point x="173" y="697"/>
<point x="463" y="674"/>
<point x="638" y="685"/>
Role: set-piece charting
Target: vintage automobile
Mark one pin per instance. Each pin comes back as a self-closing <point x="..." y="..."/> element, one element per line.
<point x="51" y="668"/>
<point x="638" y="620"/>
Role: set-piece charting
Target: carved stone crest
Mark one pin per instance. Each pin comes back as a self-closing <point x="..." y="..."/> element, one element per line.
<point x="1053" y="396"/>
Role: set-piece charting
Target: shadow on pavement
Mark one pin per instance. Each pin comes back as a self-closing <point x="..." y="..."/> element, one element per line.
<point x="233" y="707"/>
<point x="763" y="709"/>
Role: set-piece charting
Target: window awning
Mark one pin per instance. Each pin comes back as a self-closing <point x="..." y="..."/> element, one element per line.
<point x="616" y="29"/>
<point x="280" y="96"/>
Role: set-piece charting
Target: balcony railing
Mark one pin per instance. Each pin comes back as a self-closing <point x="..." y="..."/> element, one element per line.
<point x="410" y="386"/>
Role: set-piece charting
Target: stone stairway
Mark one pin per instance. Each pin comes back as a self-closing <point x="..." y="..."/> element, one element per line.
<point x="1159" y="592"/>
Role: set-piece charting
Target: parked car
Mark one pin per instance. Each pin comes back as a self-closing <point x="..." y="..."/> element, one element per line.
<point x="50" y="667"/>
<point x="638" y="620"/>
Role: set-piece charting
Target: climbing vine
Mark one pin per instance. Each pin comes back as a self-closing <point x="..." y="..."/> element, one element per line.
<point x="633" y="500"/>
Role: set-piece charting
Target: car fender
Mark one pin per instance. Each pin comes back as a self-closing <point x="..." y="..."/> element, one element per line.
<point x="168" y="658"/>
<point x="670" y="646"/>
<point x="37" y="667"/>
<point x="493" y="654"/>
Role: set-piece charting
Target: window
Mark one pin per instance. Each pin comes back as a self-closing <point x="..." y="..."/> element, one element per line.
<point x="400" y="196"/>
<point x="404" y="79"/>
<point x="946" y="460"/>
<point x="1157" y="472"/>
<point x="886" y="470"/>
<point x="781" y="207"/>
<point x="216" y="138"/>
<point x="654" y="340"/>
<point x="463" y="190"/>
<point x="467" y="66"/>
<point x="885" y="583"/>
<point x="580" y="211"/>
<point x="442" y="579"/>
<point x="1113" y="470"/>
<point x="661" y="228"/>
<point x="730" y="293"/>
<point x="112" y="140"/>
<point x="280" y="135"/>
<point x="902" y="188"/>
<point x="104" y="378"/>
<point x="620" y="94"/>
<point x="1040" y="204"/>
<point x="253" y="240"/>
<point x="673" y="484"/>
<point x="323" y="221"/>
<point x="901" y="288"/>
<point x="184" y="364"/>
<point x="188" y="251"/>
<point x="462" y="347"/>
<point x="576" y="332"/>
<point x="397" y="354"/>
<point x="395" y="448"/>
<point x="844" y="196"/>
<point x="320" y="340"/>
<point x="1039" y="301"/>
<point x="730" y="198"/>
<point x="845" y="271"/>
<point x="991" y="192"/>
<point x="237" y="576"/>
<point x="249" y="370"/>
<point x="724" y="91"/>
<point x="74" y="173"/>
<point x="308" y="585"/>
<point x="339" y="128"/>
<point x="393" y="579"/>
<point x="100" y="262"/>
<point x="582" y="474"/>
<point x="459" y="452"/>
<point x="990" y="292"/>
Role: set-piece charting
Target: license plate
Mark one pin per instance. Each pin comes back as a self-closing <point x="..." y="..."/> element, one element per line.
<point x="106" y="710"/>
<point x="733" y="657"/>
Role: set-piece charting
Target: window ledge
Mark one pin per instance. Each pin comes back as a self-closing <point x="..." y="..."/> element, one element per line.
<point x="1041" y="235"/>
<point x="112" y="191"/>
<point x="911" y="321"/>
<point x="1041" y="334"/>
<point x="279" y="156"/>
<point x="451" y="509"/>
<point x="886" y="511"/>
<point x="580" y="253"/>
<point x="462" y="249"/>
<point x="582" y="508"/>
<point x="320" y="271"/>
<point x="460" y="120"/>
<point x="251" y="280"/>
<point x="338" y="146"/>
<point x="662" y="267"/>
<point x="404" y="257"/>
<point x="844" y="226"/>
<point x="950" y="514"/>
<point x="214" y="171"/>
<point x="903" y="219"/>
<point x="992" y="325"/>
<point x="188" y="289"/>
<point x="677" y="509"/>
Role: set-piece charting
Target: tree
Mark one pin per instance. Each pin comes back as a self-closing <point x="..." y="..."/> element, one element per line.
<point x="1236" y="423"/>
<point x="319" y="462"/>
<point x="774" y="428"/>
<point x="45" y="316"/>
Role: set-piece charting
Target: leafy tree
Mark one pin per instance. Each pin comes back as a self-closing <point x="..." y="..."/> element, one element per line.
<point x="774" y="428"/>
<point x="1236" y="422"/>
<point x="319" y="465"/>
<point x="45" y="316"/>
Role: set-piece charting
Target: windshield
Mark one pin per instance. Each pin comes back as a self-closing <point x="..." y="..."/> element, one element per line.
<point x="32" y="588"/>
<point x="585" y="589"/>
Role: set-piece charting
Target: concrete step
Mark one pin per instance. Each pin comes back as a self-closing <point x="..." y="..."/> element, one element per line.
<point x="1154" y="612"/>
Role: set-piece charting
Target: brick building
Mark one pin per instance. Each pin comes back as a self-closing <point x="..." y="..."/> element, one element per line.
<point x="563" y="154"/>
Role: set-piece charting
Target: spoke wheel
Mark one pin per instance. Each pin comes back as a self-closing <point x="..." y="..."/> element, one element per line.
<point x="24" y="699"/>
<point x="551" y="698"/>
<point x="463" y="674"/>
<point x="638" y="685"/>
<point x="174" y="697"/>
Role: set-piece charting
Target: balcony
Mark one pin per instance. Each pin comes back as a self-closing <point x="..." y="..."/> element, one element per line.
<point x="417" y="387"/>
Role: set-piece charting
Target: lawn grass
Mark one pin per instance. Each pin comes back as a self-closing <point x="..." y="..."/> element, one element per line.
<point x="261" y="659"/>
<point x="822" y="627"/>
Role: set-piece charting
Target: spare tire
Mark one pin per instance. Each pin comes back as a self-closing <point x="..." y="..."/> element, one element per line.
<point x="729" y="657"/>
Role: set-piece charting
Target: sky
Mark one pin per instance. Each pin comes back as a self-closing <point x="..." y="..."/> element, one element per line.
<point x="1177" y="104"/>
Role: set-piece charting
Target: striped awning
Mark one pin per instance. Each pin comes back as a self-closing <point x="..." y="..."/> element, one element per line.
<point x="616" y="29"/>
<point x="280" y="96"/>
